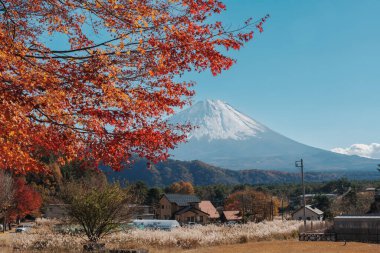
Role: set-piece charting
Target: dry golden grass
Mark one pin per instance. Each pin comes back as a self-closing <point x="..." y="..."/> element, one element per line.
<point x="44" y="237"/>
<point x="289" y="246"/>
<point x="265" y="237"/>
<point x="5" y="242"/>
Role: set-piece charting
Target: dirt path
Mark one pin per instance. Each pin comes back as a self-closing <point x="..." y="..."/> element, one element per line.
<point x="284" y="247"/>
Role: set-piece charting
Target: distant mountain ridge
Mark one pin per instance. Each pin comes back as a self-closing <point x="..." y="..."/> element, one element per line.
<point x="229" y="139"/>
<point x="200" y="174"/>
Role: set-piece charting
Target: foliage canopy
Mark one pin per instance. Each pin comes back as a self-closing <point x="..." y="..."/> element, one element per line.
<point x="93" y="79"/>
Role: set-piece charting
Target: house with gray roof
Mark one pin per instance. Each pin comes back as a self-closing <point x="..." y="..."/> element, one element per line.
<point x="181" y="207"/>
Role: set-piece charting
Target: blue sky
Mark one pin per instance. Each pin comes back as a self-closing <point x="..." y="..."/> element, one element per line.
<point x="313" y="75"/>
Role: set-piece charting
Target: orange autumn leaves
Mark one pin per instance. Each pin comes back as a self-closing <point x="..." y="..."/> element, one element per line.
<point x="93" y="79"/>
<point x="253" y="205"/>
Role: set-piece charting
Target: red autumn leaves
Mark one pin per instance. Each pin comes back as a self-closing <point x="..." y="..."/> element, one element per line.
<point x="101" y="91"/>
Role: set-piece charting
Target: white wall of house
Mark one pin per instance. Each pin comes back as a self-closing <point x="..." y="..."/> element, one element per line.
<point x="310" y="215"/>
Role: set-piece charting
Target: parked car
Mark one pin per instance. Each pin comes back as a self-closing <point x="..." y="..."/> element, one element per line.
<point x="1" y="227"/>
<point x="22" y="228"/>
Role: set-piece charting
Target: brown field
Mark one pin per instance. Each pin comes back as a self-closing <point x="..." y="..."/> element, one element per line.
<point x="263" y="245"/>
<point x="276" y="246"/>
<point x="291" y="246"/>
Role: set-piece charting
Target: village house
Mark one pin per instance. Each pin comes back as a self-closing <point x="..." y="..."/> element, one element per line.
<point x="232" y="216"/>
<point x="207" y="207"/>
<point x="183" y="208"/>
<point x="311" y="213"/>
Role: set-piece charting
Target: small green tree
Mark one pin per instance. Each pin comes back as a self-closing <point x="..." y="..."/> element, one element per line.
<point x="99" y="209"/>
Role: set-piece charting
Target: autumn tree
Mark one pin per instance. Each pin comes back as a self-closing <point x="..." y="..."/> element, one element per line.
<point x="352" y="202"/>
<point x="17" y="199"/>
<point x="181" y="188"/>
<point x="49" y="185"/>
<point x="93" y="79"/>
<point x="253" y="205"/>
<point x="26" y="200"/>
<point x="7" y="195"/>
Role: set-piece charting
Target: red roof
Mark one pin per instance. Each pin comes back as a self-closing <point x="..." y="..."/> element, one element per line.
<point x="232" y="215"/>
<point x="207" y="207"/>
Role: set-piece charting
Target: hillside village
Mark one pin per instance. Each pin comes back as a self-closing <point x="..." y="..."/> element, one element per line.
<point x="189" y="209"/>
<point x="331" y="208"/>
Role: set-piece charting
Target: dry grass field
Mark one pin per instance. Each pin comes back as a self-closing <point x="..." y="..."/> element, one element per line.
<point x="5" y="242"/>
<point x="289" y="246"/>
<point x="265" y="237"/>
<point x="275" y="246"/>
<point x="44" y="236"/>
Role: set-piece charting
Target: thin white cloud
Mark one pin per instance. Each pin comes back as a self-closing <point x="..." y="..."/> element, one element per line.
<point x="365" y="150"/>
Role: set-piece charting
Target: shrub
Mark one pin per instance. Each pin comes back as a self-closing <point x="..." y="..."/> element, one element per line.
<point x="98" y="209"/>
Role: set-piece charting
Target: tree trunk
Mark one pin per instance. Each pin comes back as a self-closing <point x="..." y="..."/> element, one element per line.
<point x="94" y="247"/>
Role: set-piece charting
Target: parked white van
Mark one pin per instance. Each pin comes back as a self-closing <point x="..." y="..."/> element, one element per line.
<point x="156" y="224"/>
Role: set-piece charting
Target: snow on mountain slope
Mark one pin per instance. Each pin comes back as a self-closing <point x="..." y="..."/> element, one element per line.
<point x="218" y="120"/>
<point x="229" y="139"/>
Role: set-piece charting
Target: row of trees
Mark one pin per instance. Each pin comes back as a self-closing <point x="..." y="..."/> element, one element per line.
<point x="254" y="205"/>
<point x="274" y="199"/>
<point x="354" y="202"/>
<point x="101" y="208"/>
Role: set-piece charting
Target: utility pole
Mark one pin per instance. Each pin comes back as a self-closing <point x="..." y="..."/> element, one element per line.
<point x="282" y="207"/>
<point x="299" y="164"/>
<point x="271" y="208"/>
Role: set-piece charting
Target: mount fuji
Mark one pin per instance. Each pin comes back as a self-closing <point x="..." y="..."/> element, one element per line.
<point x="227" y="138"/>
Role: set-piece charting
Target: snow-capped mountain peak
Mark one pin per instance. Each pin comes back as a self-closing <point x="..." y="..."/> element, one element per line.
<point x="216" y="119"/>
<point x="229" y="139"/>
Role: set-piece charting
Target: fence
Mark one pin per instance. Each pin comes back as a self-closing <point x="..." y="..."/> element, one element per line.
<point x="315" y="226"/>
<point x="317" y="231"/>
<point x="317" y="236"/>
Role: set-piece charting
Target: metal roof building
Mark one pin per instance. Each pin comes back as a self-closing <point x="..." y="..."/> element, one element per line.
<point x="182" y="199"/>
<point x="364" y="228"/>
